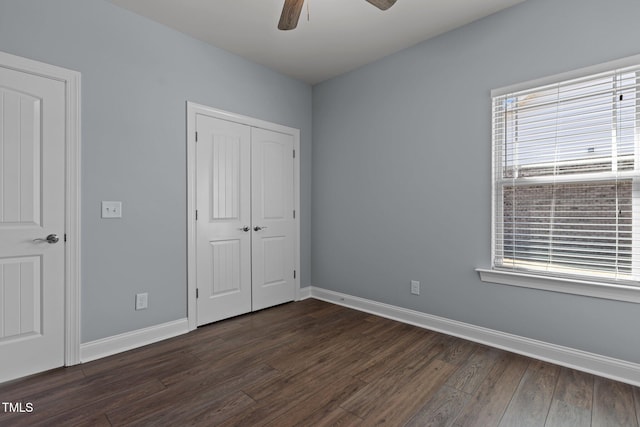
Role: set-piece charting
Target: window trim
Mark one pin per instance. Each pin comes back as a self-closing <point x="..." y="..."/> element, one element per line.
<point x="564" y="285"/>
<point x="569" y="75"/>
<point x="574" y="286"/>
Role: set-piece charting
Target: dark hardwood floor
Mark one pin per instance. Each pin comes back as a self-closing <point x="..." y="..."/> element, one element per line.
<point x="312" y="363"/>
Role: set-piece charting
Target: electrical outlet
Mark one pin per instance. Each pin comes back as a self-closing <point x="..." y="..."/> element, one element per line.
<point x="415" y="287"/>
<point x="142" y="301"/>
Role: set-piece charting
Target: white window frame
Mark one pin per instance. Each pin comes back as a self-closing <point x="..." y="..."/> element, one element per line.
<point x="575" y="286"/>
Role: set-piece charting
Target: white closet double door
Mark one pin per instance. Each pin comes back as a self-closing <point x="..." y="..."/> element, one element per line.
<point x="245" y="223"/>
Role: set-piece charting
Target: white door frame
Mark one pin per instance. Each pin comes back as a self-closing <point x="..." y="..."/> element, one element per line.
<point x="193" y="110"/>
<point x="71" y="80"/>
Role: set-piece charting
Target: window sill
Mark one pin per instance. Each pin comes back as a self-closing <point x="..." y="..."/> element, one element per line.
<point x="564" y="285"/>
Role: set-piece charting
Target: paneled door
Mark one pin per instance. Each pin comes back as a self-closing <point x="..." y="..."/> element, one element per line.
<point x="272" y="218"/>
<point x="223" y="188"/>
<point x="245" y="226"/>
<point x="32" y="221"/>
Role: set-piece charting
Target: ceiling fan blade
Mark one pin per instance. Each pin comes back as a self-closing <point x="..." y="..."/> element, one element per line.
<point x="382" y="4"/>
<point x="290" y="14"/>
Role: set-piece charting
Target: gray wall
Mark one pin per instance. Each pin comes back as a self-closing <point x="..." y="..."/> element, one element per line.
<point x="136" y="79"/>
<point x="401" y="172"/>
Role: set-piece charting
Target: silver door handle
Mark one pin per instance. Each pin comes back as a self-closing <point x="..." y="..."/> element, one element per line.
<point x="258" y="228"/>
<point x="245" y="228"/>
<point x="51" y="238"/>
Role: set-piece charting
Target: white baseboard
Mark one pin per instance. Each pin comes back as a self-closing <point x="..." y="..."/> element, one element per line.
<point x="304" y="293"/>
<point x="603" y="366"/>
<point x="129" y="340"/>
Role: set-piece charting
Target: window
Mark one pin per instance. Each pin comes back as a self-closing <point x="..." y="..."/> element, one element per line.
<point x="566" y="162"/>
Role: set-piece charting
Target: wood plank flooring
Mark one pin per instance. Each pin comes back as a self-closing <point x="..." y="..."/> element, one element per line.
<point x="311" y="363"/>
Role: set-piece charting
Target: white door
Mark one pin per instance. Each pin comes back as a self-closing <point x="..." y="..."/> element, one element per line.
<point x="223" y="233"/>
<point x="273" y="256"/>
<point x="245" y="227"/>
<point x="32" y="201"/>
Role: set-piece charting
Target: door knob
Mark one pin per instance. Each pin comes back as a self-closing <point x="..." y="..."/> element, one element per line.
<point x="245" y="228"/>
<point x="258" y="228"/>
<point x="51" y="238"/>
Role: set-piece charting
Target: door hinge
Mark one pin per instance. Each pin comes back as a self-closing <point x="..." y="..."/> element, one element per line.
<point x="294" y="214"/>
<point x="65" y="237"/>
<point x="196" y="214"/>
<point x="294" y="154"/>
<point x="196" y="136"/>
<point x="294" y="274"/>
<point x="197" y="293"/>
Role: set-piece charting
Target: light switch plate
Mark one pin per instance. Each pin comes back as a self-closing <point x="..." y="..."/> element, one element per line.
<point x="111" y="209"/>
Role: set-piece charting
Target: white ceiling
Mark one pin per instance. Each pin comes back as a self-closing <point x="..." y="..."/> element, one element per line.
<point x="339" y="36"/>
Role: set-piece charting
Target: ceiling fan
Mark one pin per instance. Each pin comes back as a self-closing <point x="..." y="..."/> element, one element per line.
<point x="292" y="8"/>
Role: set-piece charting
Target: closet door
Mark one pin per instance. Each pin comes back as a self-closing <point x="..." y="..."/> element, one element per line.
<point x="223" y="241"/>
<point x="273" y="224"/>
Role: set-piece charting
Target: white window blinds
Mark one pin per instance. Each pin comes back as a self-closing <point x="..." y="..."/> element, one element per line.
<point x="566" y="177"/>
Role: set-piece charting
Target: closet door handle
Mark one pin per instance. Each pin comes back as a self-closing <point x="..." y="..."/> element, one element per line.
<point x="245" y="228"/>
<point x="258" y="228"/>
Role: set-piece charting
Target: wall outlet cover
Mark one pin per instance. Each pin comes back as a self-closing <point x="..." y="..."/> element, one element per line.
<point x="415" y="287"/>
<point x="142" y="301"/>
